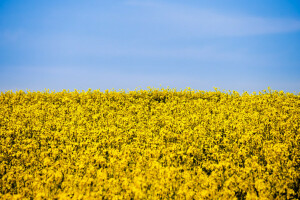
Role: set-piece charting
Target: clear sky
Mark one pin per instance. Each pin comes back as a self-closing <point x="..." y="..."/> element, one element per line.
<point x="243" y="45"/>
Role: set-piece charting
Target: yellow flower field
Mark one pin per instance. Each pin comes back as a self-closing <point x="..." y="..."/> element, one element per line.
<point x="149" y="144"/>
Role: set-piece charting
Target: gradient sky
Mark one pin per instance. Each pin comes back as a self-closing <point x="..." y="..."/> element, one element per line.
<point x="237" y="45"/>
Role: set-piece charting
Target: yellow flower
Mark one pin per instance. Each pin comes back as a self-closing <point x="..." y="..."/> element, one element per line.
<point x="154" y="143"/>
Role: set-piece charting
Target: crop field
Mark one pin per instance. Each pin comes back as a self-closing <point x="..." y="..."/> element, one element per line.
<point x="149" y="144"/>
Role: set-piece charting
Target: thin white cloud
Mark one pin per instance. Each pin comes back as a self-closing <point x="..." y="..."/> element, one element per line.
<point x="91" y="48"/>
<point x="97" y="47"/>
<point x="208" y="22"/>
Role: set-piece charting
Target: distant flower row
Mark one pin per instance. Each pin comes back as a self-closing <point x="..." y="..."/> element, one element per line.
<point x="149" y="144"/>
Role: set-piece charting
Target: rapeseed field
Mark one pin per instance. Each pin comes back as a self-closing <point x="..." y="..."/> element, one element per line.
<point x="149" y="144"/>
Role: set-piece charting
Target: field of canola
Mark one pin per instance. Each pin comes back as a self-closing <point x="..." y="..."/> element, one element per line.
<point x="149" y="144"/>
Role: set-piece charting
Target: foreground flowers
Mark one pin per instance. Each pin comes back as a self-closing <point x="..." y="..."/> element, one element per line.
<point x="149" y="144"/>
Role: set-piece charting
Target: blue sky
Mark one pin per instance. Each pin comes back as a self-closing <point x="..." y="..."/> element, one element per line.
<point x="237" y="45"/>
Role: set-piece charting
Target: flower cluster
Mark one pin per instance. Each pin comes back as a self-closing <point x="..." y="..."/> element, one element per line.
<point x="149" y="144"/>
